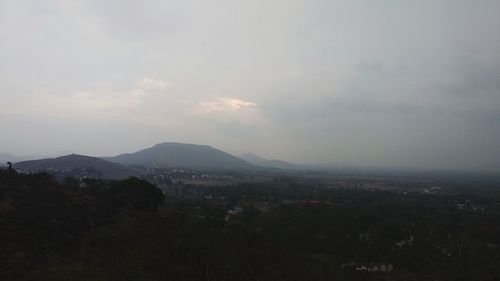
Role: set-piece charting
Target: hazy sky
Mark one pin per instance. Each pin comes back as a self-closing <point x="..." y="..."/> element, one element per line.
<point x="371" y="83"/>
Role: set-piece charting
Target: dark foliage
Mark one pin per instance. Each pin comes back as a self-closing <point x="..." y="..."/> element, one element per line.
<point x="107" y="231"/>
<point x="41" y="218"/>
<point x="134" y="193"/>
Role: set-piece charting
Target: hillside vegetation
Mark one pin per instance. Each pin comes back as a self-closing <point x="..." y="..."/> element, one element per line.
<point x="279" y="230"/>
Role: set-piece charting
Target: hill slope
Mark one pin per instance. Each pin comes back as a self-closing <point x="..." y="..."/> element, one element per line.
<point x="77" y="166"/>
<point x="171" y="154"/>
<point x="7" y="157"/>
<point x="260" y="161"/>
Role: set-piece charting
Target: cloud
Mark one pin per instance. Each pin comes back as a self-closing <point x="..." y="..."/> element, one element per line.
<point x="107" y="99"/>
<point x="224" y="104"/>
<point x="149" y="83"/>
<point x="341" y="81"/>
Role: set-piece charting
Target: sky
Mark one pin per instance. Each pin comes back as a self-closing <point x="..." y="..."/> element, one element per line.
<point x="389" y="83"/>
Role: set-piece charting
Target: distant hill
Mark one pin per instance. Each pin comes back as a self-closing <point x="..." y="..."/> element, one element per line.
<point x="77" y="166"/>
<point x="7" y="157"/>
<point x="181" y="155"/>
<point x="263" y="162"/>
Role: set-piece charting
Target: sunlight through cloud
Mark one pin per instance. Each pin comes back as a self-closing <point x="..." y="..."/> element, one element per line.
<point x="153" y="84"/>
<point x="224" y="104"/>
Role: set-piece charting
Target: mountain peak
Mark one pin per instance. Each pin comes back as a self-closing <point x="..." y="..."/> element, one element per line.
<point x="178" y="144"/>
<point x="174" y="154"/>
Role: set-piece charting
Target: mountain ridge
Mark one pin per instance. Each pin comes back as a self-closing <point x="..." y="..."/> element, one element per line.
<point x="77" y="165"/>
<point x="182" y="155"/>
<point x="268" y="163"/>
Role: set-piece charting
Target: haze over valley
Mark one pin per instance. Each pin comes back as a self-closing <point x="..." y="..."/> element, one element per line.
<point x="250" y="140"/>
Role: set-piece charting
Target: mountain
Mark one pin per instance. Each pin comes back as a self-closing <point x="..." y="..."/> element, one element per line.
<point x="182" y="155"/>
<point x="77" y="166"/>
<point x="7" y="157"/>
<point x="263" y="162"/>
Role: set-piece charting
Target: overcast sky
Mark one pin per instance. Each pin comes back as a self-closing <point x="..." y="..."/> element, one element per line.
<point x="371" y="83"/>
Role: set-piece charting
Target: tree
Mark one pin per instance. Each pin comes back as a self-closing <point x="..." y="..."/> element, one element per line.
<point x="135" y="193"/>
